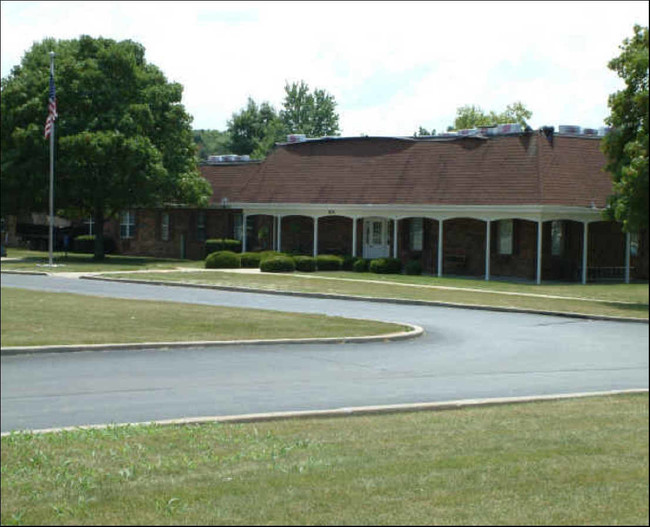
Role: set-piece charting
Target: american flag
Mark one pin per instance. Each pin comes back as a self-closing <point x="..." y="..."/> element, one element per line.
<point x="51" y="107"/>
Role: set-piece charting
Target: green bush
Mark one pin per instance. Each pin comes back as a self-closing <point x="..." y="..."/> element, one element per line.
<point x="386" y="266"/>
<point x="413" y="267"/>
<point x="222" y="244"/>
<point x="306" y="264"/>
<point x="223" y="260"/>
<point x="86" y="244"/>
<point x="250" y="260"/>
<point x="328" y="262"/>
<point x="360" y="265"/>
<point x="278" y="264"/>
<point x="264" y="255"/>
<point x="348" y="262"/>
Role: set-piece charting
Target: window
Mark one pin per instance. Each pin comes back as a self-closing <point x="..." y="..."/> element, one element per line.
<point x="415" y="234"/>
<point x="504" y="237"/>
<point x="127" y="224"/>
<point x="200" y="226"/>
<point x="557" y="238"/>
<point x="376" y="232"/>
<point x="238" y="233"/>
<point x="164" y="226"/>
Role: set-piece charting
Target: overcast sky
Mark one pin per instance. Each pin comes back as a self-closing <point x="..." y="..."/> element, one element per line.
<point x="391" y="66"/>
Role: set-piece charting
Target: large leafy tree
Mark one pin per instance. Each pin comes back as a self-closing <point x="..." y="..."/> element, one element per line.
<point x="626" y="146"/>
<point x="471" y="116"/>
<point x="210" y="142"/>
<point x="256" y="128"/>
<point x="123" y="137"/>
<point x="304" y="112"/>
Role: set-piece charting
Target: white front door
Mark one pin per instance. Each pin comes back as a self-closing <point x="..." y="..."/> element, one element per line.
<point x="375" y="238"/>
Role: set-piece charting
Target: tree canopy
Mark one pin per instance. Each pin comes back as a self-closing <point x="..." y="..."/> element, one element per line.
<point x="124" y="138"/>
<point x="471" y="116"/>
<point x="626" y="145"/>
<point x="257" y="127"/>
<point x="210" y="142"/>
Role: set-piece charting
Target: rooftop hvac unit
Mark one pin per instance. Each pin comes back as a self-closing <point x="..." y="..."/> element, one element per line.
<point x="215" y="159"/>
<point x="509" y="128"/>
<point x="296" y="138"/>
<point x="569" y="129"/>
<point x="488" y="130"/>
<point x="603" y="130"/>
<point x="245" y="158"/>
<point x="230" y="158"/>
<point x="589" y="131"/>
<point x="468" y="131"/>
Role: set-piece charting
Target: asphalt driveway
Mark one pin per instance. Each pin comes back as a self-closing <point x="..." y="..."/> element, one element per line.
<point x="463" y="354"/>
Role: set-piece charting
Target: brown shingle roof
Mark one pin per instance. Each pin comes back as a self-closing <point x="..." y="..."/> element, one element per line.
<point x="507" y="170"/>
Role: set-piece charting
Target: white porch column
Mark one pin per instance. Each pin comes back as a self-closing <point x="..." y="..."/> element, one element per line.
<point x="440" y="247"/>
<point x="539" y="252"/>
<point x="487" y="249"/>
<point x="279" y="249"/>
<point x="395" y="220"/>
<point x="585" y="240"/>
<point x="354" y="236"/>
<point x="315" y="236"/>
<point x="627" y="257"/>
<point x="243" y="228"/>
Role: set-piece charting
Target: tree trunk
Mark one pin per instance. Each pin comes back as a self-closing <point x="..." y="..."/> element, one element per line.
<point x="98" y="218"/>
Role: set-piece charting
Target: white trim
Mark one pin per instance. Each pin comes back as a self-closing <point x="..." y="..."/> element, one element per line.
<point x="434" y="212"/>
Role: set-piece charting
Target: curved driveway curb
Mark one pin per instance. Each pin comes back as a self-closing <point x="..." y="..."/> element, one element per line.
<point x="341" y="412"/>
<point x="370" y="299"/>
<point x="415" y="331"/>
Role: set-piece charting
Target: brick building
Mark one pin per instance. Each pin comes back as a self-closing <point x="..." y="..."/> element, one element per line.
<point x="524" y="205"/>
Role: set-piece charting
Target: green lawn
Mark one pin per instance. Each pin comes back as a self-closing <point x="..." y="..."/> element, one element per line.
<point x="571" y="462"/>
<point x="36" y="261"/>
<point x="32" y="318"/>
<point x="623" y="300"/>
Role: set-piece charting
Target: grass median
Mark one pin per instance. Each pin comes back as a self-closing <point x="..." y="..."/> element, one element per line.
<point x="622" y="300"/>
<point x="570" y="462"/>
<point x="32" y="318"/>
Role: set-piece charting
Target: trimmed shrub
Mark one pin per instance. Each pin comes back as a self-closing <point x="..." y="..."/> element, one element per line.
<point x="223" y="260"/>
<point x="306" y="264"/>
<point x="250" y="260"/>
<point x="222" y="244"/>
<point x="328" y="262"/>
<point x="86" y="244"/>
<point x="278" y="264"/>
<point x="348" y="262"/>
<point x="413" y="267"/>
<point x="264" y="255"/>
<point x="360" y="265"/>
<point x="386" y="266"/>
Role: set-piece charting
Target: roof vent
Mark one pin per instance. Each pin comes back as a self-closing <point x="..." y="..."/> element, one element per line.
<point x="296" y="138"/>
<point x="509" y="128"/>
<point x="569" y="129"/>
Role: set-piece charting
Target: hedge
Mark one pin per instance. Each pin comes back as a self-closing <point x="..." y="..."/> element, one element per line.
<point x="360" y="265"/>
<point x="278" y="264"/>
<point x="222" y="244"/>
<point x="222" y="260"/>
<point x="306" y="264"/>
<point x="413" y="267"/>
<point x="250" y="260"/>
<point x="86" y="244"/>
<point x="386" y="266"/>
<point x="328" y="262"/>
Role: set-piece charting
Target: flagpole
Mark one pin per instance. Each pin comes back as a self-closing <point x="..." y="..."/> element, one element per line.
<point x="50" y="242"/>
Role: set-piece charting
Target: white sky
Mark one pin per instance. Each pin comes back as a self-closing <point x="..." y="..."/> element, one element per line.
<point x="391" y="66"/>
